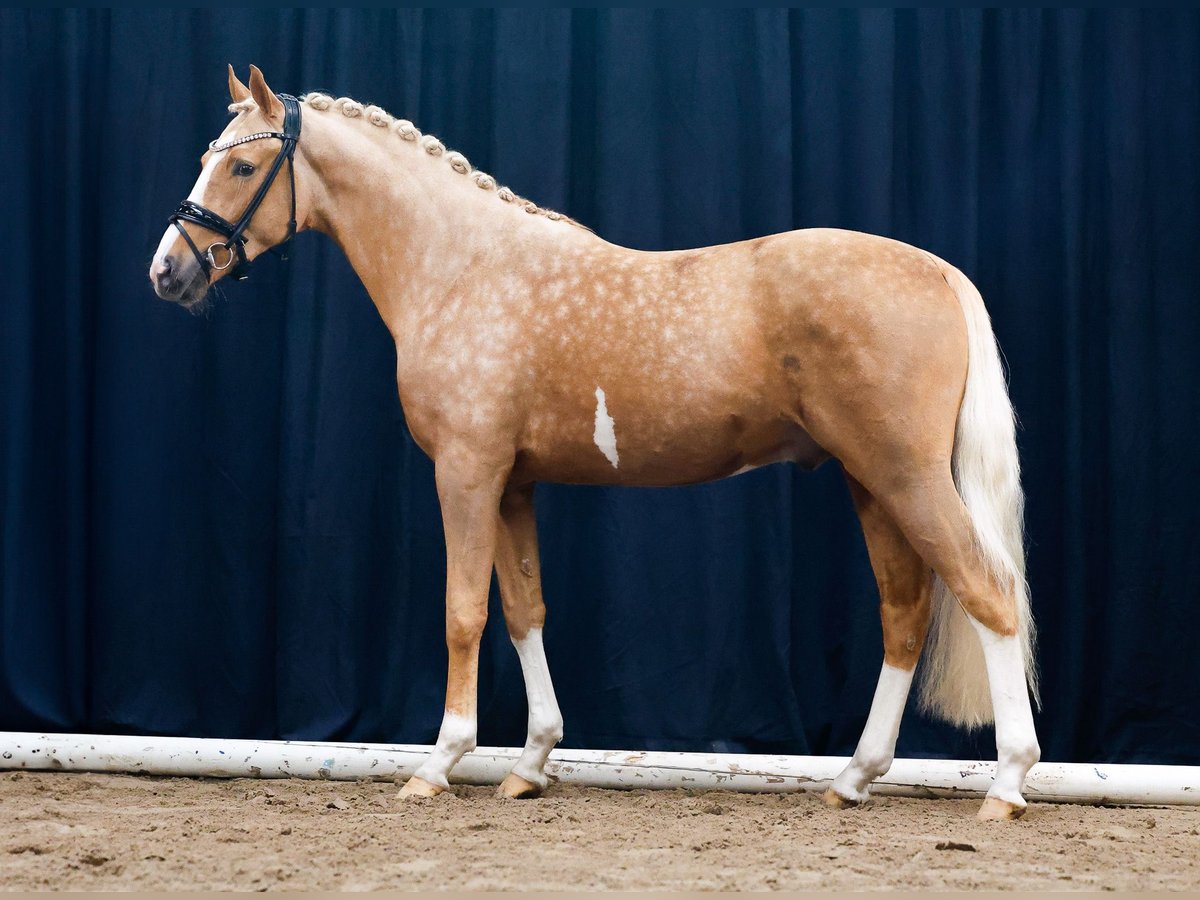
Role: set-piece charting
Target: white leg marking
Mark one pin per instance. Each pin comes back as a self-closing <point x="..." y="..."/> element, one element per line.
<point x="877" y="746"/>
<point x="605" y="435"/>
<point x="456" y="737"/>
<point x="545" y="721"/>
<point x="1016" y="740"/>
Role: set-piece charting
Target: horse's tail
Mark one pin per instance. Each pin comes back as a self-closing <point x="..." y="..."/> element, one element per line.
<point x="987" y="473"/>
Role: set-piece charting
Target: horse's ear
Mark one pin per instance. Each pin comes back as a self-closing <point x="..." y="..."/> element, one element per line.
<point x="237" y="91"/>
<point x="268" y="104"/>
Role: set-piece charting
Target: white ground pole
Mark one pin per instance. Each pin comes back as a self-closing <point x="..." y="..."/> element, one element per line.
<point x="619" y="769"/>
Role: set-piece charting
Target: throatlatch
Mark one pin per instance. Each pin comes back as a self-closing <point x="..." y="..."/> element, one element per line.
<point x="234" y="243"/>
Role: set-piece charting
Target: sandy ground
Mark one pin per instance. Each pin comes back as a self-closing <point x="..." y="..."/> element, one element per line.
<point x="81" y="831"/>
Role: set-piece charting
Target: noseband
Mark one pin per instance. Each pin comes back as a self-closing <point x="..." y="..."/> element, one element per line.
<point x="231" y="252"/>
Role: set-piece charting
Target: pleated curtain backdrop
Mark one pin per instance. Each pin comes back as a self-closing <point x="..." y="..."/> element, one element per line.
<point x="220" y="526"/>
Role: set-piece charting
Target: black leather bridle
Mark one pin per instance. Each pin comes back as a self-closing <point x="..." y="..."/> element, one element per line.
<point x="234" y="243"/>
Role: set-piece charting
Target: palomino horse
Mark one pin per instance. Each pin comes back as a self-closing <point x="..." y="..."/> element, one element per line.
<point x="528" y="349"/>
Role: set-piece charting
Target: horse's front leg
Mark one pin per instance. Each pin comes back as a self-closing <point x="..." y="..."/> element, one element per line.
<point x="519" y="574"/>
<point x="469" y="487"/>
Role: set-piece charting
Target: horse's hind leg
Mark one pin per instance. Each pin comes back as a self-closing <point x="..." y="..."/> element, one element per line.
<point x="905" y="584"/>
<point x="519" y="574"/>
<point x="932" y="515"/>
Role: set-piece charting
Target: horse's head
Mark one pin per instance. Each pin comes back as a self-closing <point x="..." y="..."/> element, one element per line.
<point x="243" y="203"/>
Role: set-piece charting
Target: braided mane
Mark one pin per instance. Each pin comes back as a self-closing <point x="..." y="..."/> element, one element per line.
<point x="407" y="131"/>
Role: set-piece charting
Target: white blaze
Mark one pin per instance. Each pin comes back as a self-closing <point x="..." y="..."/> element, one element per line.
<point x="196" y="196"/>
<point x="605" y="435"/>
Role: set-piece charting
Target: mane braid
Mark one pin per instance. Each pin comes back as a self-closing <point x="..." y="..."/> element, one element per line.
<point x="407" y="131"/>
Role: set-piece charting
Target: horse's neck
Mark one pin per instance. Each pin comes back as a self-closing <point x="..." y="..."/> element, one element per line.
<point x="409" y="224"/>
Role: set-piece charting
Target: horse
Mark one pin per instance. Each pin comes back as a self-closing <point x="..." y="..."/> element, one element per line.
<point x="530" y="349"/>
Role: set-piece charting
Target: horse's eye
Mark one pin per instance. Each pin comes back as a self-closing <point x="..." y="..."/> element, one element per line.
<point x="243" y="169"/>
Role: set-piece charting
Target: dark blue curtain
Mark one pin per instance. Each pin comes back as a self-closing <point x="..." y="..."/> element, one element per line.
<point x="220" y="526"/>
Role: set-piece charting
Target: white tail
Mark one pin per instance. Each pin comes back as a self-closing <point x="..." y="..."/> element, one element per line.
<point x="987" y="473"/>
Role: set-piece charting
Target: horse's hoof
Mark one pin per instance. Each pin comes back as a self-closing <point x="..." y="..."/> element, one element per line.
<point x="515" y="787"/>
<point x="995" y="810"/>
<point x="419" y="787"/>
<point x="834" y="800"/>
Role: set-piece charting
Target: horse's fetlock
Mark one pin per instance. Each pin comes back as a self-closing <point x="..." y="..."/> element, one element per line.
<point x="875" y="764"/>
<point x="547" y="733"/>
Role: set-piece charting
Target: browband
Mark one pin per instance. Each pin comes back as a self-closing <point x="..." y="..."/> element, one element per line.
<point x="245" y="139"/>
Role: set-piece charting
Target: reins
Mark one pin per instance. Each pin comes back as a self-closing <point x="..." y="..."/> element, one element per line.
<point x="234" y="243"/>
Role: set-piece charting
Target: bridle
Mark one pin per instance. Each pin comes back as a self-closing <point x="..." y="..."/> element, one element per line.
<point x="234" y="243"/>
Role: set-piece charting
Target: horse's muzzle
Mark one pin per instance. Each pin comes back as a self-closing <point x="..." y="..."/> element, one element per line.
<point x="179" y="280"/>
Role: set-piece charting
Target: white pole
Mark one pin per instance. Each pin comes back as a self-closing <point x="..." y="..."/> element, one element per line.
<point x="620" y="769"/>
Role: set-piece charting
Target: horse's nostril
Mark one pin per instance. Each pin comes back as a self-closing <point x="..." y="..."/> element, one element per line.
<point x="165" y="274"/>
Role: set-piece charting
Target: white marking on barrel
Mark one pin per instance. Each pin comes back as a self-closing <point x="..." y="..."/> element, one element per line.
<point x="605" y="435"/>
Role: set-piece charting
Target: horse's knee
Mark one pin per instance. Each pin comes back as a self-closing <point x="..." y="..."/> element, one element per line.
<point x="464" y="628"/>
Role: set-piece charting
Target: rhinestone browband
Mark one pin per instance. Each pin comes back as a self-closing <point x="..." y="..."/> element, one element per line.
<point x="217" y="147"/>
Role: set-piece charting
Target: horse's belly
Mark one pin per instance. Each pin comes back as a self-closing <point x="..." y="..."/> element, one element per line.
<point x="622" y="446"/>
